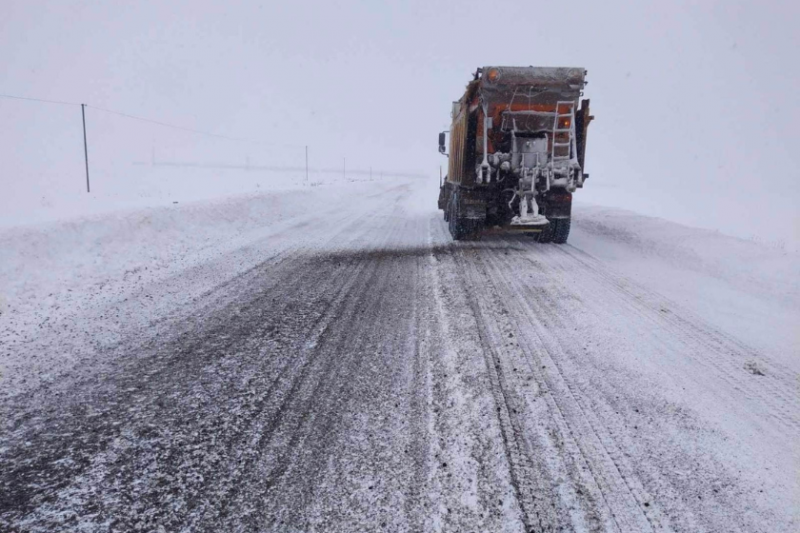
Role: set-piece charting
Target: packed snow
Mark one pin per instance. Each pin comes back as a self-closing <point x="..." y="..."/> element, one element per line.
<point x="653" y="363"/>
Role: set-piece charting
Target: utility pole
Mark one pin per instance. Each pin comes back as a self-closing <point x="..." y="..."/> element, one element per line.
<point x="306" y="164"/>
<point x="85" y="148"/>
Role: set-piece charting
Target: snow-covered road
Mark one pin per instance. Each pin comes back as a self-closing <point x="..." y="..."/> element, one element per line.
<point x="346" y="367"/>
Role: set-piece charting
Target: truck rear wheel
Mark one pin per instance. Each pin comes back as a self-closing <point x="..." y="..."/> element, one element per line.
<point x="452" y="218"/>
<point x="457" y="227"/>
<point x="561" y="230"/>
<point x="546" y="235"/>
<point x="461" y="228"/>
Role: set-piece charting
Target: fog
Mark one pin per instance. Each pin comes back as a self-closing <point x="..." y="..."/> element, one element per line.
<point x="696" y="113"/>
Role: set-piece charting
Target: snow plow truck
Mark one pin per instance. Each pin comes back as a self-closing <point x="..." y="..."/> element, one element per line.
<point x="516" y="154"/>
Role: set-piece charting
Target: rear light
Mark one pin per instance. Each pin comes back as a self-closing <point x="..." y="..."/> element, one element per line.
<point x="560" y="198"/>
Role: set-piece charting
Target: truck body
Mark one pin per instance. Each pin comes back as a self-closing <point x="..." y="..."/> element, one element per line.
<point x="516" y="153"/>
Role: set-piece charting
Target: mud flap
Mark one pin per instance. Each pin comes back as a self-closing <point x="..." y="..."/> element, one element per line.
<point x="467" y="215"/>
<point x="444" y="197"/>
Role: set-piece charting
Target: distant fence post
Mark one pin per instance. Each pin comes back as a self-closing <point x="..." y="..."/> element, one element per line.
<point x="85" y="147"/>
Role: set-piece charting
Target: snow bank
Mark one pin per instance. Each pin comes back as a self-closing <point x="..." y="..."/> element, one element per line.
<point x="749" y="289"/>
<point x="758" y="214"/>
<point x="145" y="185"/>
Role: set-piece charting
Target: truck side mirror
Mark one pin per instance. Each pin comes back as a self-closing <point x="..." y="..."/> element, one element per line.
<point x="441" y="142"/>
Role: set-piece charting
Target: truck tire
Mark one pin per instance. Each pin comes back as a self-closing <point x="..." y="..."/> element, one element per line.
<point x="546" y="235"/>
<point x="456" y="223"/>
<point x="561" y="231"/>
<point x="452" y="217"/>
<point x="457" y="229"/>
<point x="462" y="228"/>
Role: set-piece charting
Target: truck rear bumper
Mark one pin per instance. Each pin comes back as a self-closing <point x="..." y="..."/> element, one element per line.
<point x="516" y="228"/>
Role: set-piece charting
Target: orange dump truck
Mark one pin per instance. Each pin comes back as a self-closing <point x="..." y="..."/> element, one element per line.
<point x="517" y="146"/>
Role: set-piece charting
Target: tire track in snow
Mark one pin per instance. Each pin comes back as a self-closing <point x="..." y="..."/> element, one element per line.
<point x="466" y="404"/>
<point x="688" y="502"/>
<point x="531" y="490"/>
<point x="229" y="341"/>
<point x="719" y="351"/>
<point x="315" y="394"/>
<point x="220" y="342"/>
<point x="618" y="488"/>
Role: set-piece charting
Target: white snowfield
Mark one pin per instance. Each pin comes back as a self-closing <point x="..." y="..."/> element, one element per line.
<point x="327" y="359"/>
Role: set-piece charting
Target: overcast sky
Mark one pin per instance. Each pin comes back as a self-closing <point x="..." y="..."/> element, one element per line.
<point x="695" y="102"/>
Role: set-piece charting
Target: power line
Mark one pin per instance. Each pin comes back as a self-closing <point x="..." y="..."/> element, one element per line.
<point x="151" y="121"/>
<point x="182" y="128"/>
<point x="38" y="100"/>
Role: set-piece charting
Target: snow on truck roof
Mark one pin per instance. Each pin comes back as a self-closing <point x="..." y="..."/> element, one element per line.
<point x="497" y="83"/>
